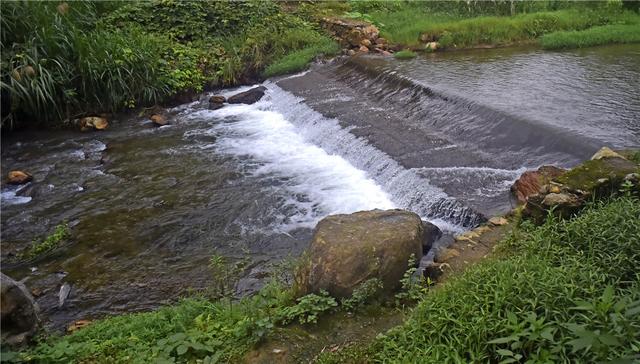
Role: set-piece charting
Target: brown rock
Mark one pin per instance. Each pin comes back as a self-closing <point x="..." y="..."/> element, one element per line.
<point x="351" y="52"/>
<point x="530" y="182"/>
<point x="217" y="99"/>
<point x="381" y="41"/>
<point x="432" y="46"/>
<point x="366" y="43"/>
<point x="159" y="120"/>
<point x="93" y="122"/>
<point x="363" y="49"/>
<point x="498" y="221"/>
<point x="77" y="325"/>
<point x="18" y="177"/>
<point x="347" y="250"/>
<point x="446" y="254"/>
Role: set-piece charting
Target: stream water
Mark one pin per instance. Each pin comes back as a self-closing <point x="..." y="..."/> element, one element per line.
<point x="443" y="135"/>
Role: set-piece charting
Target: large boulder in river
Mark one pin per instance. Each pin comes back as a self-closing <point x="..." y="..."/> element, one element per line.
<point x="530" y="182"/>
<point x="93" y="122"/>
<point x="248" y="97"/>
<point x="348" y="250"/>
<point x="18" y="311"/>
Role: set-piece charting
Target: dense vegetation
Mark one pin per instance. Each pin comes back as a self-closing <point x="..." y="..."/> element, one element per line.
<point x="60" y="60"/>
<point x="567" y="291"/>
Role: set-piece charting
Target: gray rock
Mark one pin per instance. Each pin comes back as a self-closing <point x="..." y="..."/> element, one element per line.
<point x="348" y="250"/>
<point x="19" y="312"/>
<point x="431" y="234"/>
<point x="248" y="97"/>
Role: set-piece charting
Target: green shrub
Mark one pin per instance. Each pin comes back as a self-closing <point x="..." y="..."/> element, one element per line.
<point x="308" y="308"/>
<point x="405" y="54"/>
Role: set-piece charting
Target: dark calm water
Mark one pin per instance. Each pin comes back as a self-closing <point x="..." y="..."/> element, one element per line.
<point x="443" y="135"/>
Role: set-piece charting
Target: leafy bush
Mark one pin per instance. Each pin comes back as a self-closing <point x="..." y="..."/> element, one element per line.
<point x="308" y="308"/>
<point x="363" y="294"/>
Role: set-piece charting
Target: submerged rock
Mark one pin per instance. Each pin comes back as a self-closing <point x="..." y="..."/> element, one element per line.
<point x="248" y="97"/>
<point x="530" y="182"/>
<point x="19" y="312"/>
<point x="18" y="177"/>
<point x="347" y="250"/>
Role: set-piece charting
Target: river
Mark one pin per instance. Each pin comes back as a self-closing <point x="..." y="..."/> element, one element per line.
<point x="443" y="135"/>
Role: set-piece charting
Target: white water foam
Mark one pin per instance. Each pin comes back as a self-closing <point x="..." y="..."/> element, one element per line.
<point x="329" y="184"/>
<point x="9" y="196"/>
<point x="407" y="188"/>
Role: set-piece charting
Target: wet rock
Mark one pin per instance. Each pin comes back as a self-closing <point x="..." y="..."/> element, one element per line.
<point x="248" y="97"/>
<point x="445" y="254"/>
<point x="605" y="152"/>
<point x="93" y="122"/>
<point x="430" y="235"/>
<point x="347" y="250"/>
<point x="530" y="182"/>
<point x="18" y="312"/>
<point x="63" y="294"/>
<point x="159" y="120"/>
<point x="434" y="270"/>
<point x="213" y="106"/>
<point x="217" y="99"/>
<point x="216" y="102"/>
<point x="18" y="177"/>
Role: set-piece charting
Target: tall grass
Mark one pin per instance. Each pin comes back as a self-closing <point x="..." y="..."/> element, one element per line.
<point x="607" y="34"/>
<point x="568" y="291"/>
<point x="454" y="29"/>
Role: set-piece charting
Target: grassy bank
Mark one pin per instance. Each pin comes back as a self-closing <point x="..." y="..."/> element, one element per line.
<point x="60" y="60"/>
<point x="608" y="34"/>
<point x="562" y="292"/>
<point x="460" y="25"/>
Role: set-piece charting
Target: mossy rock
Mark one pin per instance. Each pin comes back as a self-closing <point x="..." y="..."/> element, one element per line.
<point x="348" y="250"/>
<point x="600" y="177"/>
